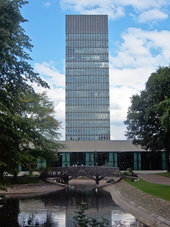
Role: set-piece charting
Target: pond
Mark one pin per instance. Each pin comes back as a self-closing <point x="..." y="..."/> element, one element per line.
<point x="57" y="209"/>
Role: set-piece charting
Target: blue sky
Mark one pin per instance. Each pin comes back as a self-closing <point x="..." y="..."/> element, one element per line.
<point x="139" y="41"/>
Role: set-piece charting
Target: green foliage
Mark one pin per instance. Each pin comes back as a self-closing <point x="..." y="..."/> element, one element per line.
<point x="148" y="117"/>
<point x="129" y="171"/>
<point x="125" y="173"/>
<point x="39" y="112"/>
<point x="158" y="190"/>
<point x="24" y="180"/>
<point x="14" y="68"/>
<point x="82" y="220"/>
<point x="107" y="164"/>
<point x="3" y="199"/>
<point x="164" y="174"/>
<point x="28" y="129"/>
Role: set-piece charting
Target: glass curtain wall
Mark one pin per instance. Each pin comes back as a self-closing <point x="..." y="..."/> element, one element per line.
<point x="87" y="78"/>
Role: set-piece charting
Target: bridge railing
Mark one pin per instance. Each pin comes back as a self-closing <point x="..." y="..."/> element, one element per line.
<point x="88" y="171"/>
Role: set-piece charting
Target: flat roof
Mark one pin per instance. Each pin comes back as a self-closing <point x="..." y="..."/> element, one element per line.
<point x="101" y="146"/>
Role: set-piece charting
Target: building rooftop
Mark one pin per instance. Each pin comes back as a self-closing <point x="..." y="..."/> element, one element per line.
<point x="101" y="146"/>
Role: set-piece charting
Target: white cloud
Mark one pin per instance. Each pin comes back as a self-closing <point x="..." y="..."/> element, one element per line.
<point x="139" y="54"/>
<point x="115" y="106"/>
<point x="47" y="4"/>
<point x="120" y="101"/>
<point x="49" y="71"/>
<point x="117" y="131"/>
<point x="144" y="4"/>
<point x="60" y="115"/>
<point x="112" y="11"/>
<point x="60" y="111"/>
<point x="142" y="49"/>
<point x="152" y="15"/>
<point x="56" y="93"/>
<point x="117" y="8"/>
<point x="119" y="97"/>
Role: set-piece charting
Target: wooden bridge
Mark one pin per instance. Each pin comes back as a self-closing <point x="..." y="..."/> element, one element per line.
<point x="97" y="173"/>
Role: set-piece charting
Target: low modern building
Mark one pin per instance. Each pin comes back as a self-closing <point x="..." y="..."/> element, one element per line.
<point x="115" y="153"/>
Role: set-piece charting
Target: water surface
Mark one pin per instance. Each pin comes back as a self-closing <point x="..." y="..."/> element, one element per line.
<point x="57" y="209"/>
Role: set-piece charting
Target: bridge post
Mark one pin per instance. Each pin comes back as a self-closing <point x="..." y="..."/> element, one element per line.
<point x="97" y="177"/>
<point x="66" y="176"/>
<point x="66" y="182"/>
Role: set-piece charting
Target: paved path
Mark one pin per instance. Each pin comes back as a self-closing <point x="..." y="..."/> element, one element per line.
<point x="149" y="209"/>
<point x="156" y="179"/>
<point x="27" y="190"/>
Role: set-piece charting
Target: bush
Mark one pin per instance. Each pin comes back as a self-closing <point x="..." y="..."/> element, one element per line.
<point x="125" y="173"/>
<point x="129" y="171"/>
<point x="81" y="219"/>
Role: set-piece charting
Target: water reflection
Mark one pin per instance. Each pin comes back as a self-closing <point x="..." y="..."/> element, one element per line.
<point x="58" y="209"/>
<point x="9" y="214"/>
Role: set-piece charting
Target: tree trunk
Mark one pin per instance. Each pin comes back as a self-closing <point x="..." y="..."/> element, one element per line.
<point x="15" y="177"/>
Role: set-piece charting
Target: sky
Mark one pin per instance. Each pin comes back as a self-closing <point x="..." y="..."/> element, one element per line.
<point x="139" y="42"/>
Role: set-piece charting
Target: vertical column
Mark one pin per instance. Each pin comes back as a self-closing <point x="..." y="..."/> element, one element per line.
<point x="139" y="160"/>
<point x="63" y="159"/>
<point x="87" y="163"/>
<point x="115" y="159"/>
<point x="68" y="158"/>
<point x="41" y="163"/>
<point x="91" y="158"/>
<point x="135" y="161"/>
<point x="38" y="163"/>
<point x="19" y="168"/>
<point x="164" y="166"/>
<point x="111" y="159"/>
<point x="44" y="163"/>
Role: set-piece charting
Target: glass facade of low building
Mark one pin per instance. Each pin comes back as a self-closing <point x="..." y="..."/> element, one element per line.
<point x="123" y="160"/>
<point x="87" y="78"/>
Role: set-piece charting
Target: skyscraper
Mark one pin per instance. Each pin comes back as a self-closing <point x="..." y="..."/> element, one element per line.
<point x="87" y="78"/>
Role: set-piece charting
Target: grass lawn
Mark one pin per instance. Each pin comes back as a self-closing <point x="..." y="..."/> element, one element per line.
<point x="164" y="174"/>
<point x="24" y="180"/>
<point x="158" y="190"/>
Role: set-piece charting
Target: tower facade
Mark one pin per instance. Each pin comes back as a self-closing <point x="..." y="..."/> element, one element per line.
<point x="87" y="78"/>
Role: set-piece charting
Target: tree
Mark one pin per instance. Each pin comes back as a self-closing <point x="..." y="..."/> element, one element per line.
<point x="11" y="133"/>
<point x="148" y="117"/>
<point x="43" y="131"/>
<point x="14" y="68"/>
<point x="17" y="129"/>
<point x="28" y="134"/>
<point x="15" y="73"/>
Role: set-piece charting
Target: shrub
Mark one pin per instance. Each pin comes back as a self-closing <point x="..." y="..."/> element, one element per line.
<point x="81" y="219"/>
